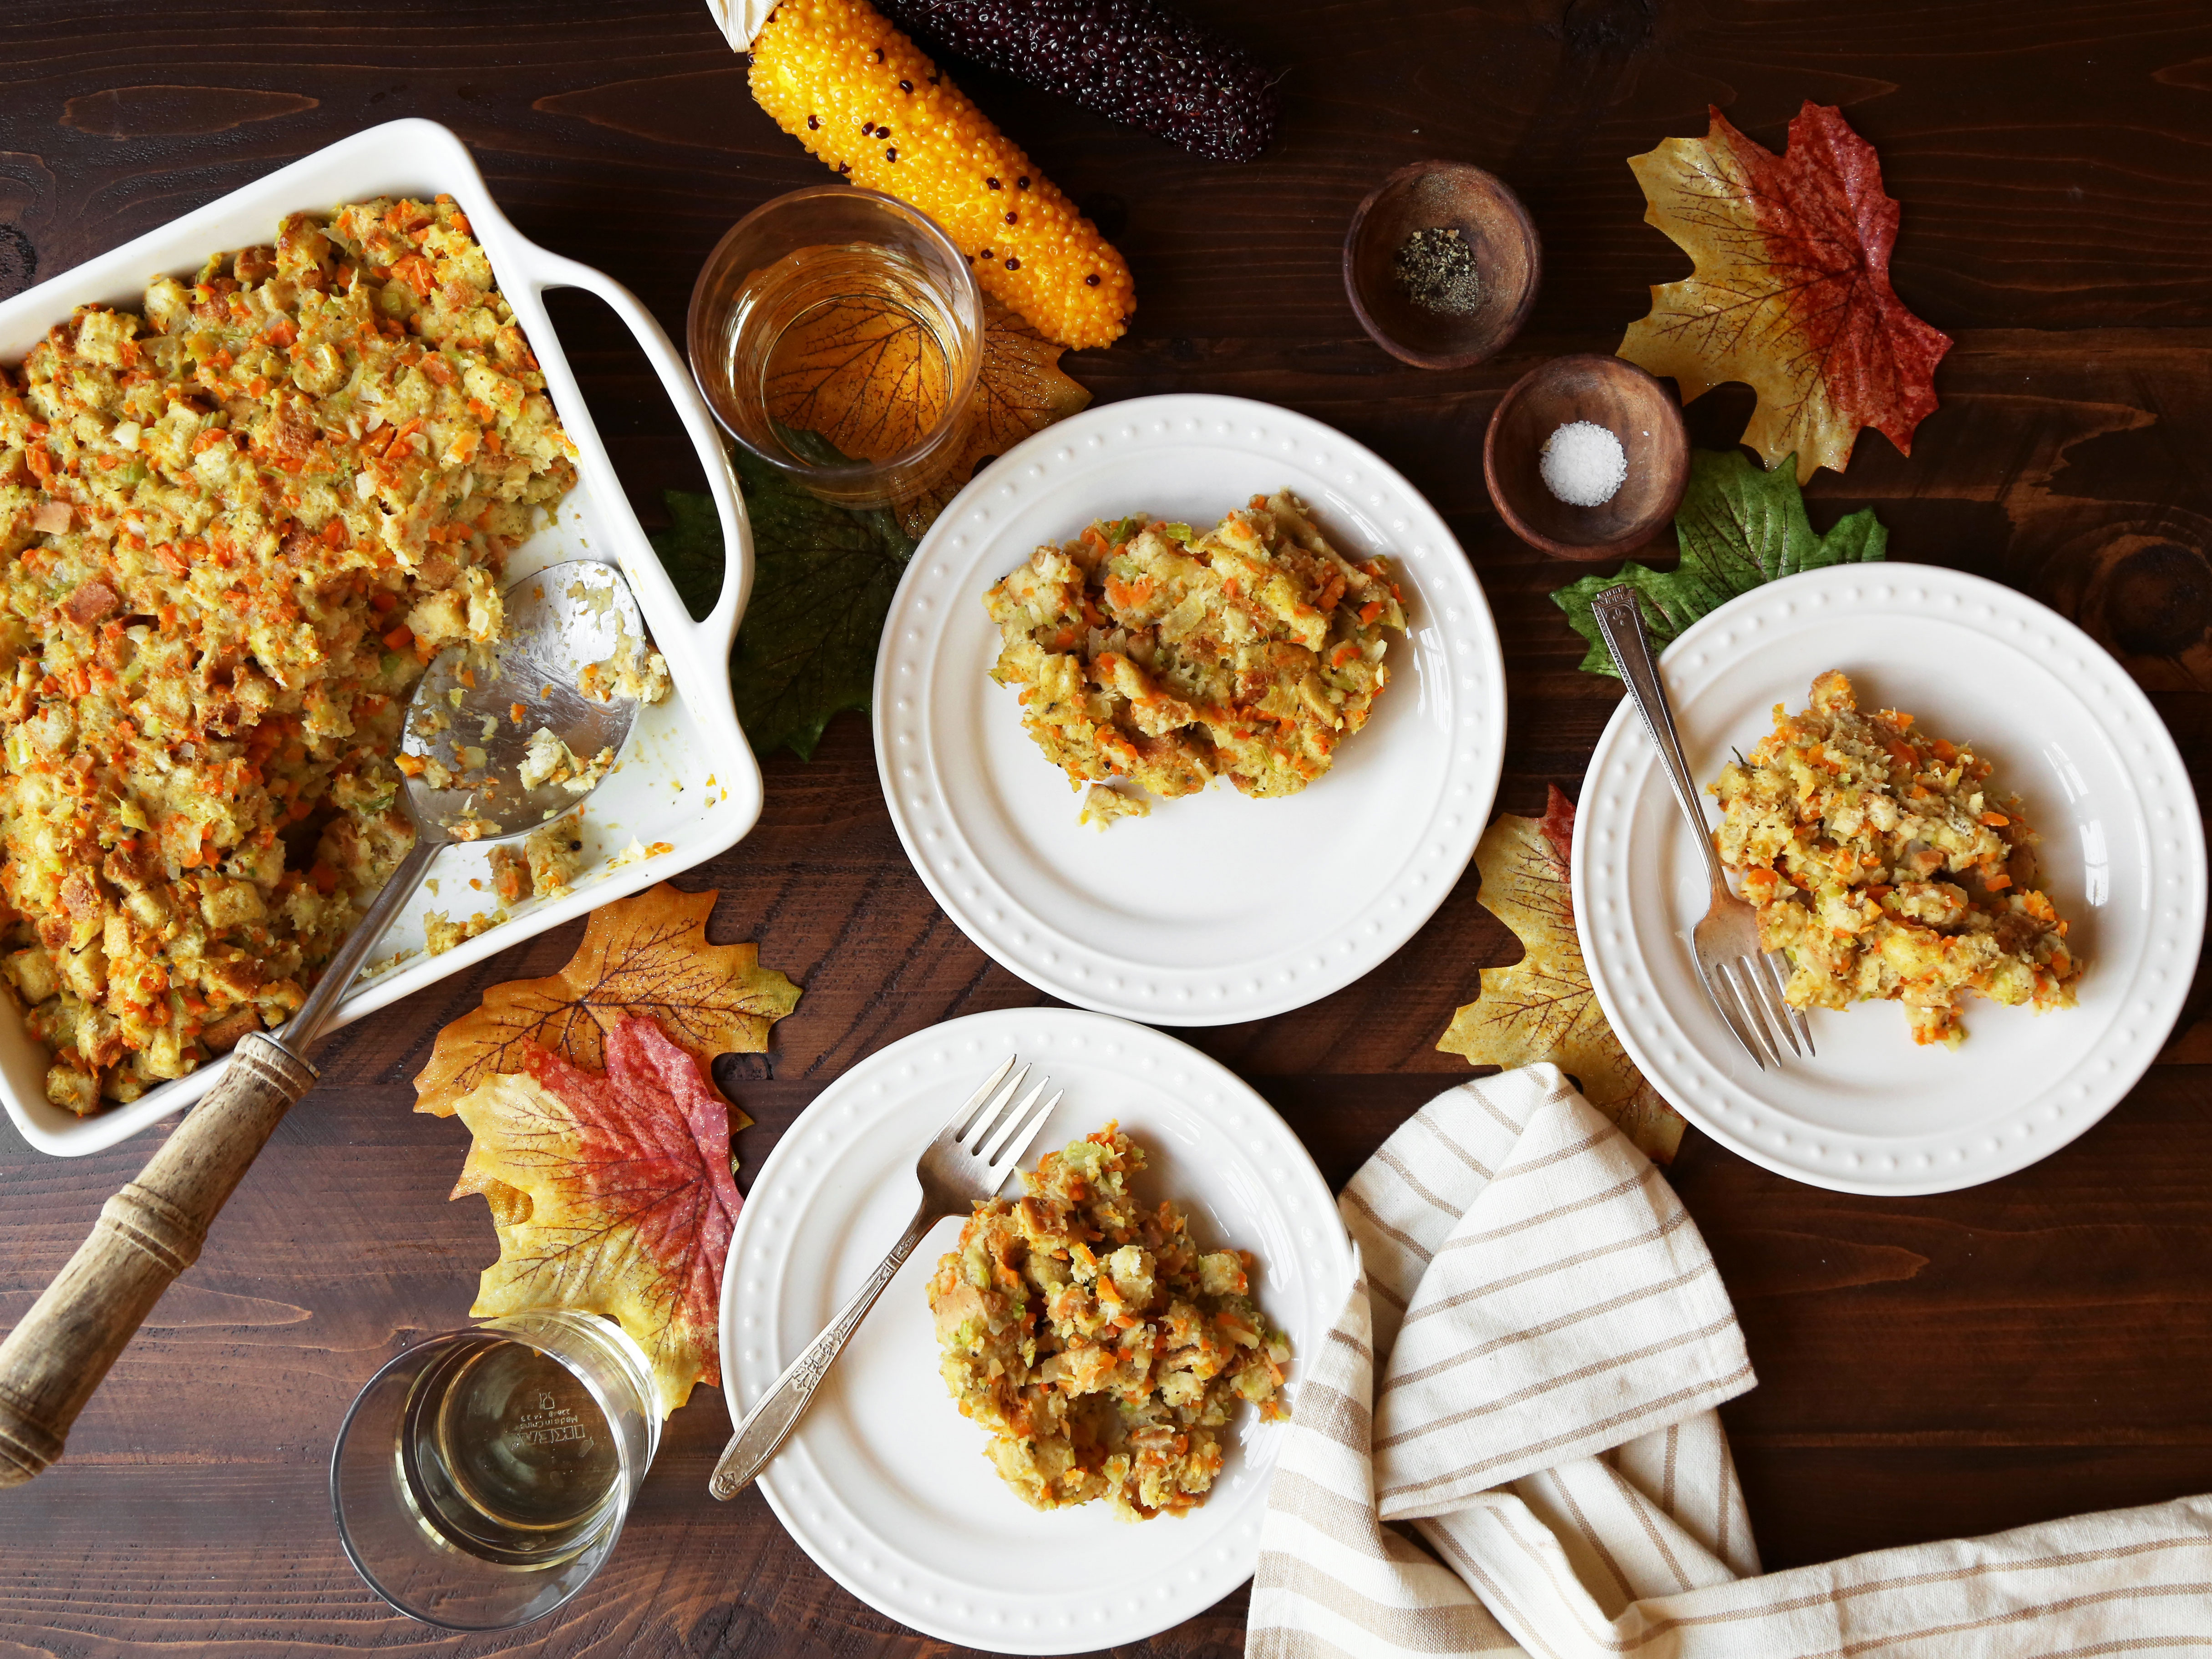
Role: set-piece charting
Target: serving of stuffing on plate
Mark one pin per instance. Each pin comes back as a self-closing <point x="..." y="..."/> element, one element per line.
<point x="232" y="531"/>
<point x="1103" y="1350"/>
<point x="1156" y="655"/>
<point x="1886" y="867"/>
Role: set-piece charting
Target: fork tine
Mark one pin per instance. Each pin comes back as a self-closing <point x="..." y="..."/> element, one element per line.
<point x="1722" y="997"/>
<point x="1757" y="1016"/>
<point x="981" y="1095"/>
<point x="1776" y="965"/>
<point x="1002" y="1167"/>
<point x="988" y="1151"/>
<point x="967" y="1126"/>
<point x="1774" y="1003"/>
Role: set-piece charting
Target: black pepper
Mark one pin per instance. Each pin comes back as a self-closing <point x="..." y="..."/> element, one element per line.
<point x="1436" y="270"/>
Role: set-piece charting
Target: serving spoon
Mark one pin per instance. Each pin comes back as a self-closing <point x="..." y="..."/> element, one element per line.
<point x="567" y="629"/>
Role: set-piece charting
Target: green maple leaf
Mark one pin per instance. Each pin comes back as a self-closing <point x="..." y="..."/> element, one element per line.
<point x="1738" y="525"/>
<point x="822" y="581"/>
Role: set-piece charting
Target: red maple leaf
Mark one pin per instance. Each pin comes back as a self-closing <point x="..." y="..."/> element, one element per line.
<point x="1558" y="825"/>
<point x="631" y="1198"/>
<point x="1790" y="290"/>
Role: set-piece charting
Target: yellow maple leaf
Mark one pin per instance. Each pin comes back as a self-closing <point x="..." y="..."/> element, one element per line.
<point x="1790" y="291"/>
<point x="1542" y="1007"/>
<point x="646" y="954"/>
<point x="622" y="1202"/>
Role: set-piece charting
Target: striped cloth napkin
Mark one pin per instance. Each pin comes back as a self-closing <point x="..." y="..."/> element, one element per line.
<point x="1553" y="1339"/>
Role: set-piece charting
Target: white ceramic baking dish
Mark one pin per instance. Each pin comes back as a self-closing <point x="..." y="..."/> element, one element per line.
<point x="687" y="777"/>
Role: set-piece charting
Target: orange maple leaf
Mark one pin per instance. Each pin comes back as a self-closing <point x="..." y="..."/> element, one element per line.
<point x="1019" y="391"/>
<point x="646" y="954"/>
<point x="1542" y="1007"/>
<point x="1789" y="290"/>
<point x="871" y="381"/>
<point x="627" y="1177"/>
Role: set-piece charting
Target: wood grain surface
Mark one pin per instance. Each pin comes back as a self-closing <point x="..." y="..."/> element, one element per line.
<point x="1928" y="1366"/>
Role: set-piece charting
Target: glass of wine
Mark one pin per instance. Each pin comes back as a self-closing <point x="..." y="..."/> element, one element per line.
<point x="838" y="335"/>
<point x="482" y="1476"/>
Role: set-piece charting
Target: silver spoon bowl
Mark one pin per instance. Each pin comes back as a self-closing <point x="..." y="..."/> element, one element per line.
<point x="572" y="641"/>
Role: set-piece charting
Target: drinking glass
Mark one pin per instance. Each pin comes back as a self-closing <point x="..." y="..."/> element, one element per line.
<point x="482" y="1476"/>
<point x="838" y="334"/>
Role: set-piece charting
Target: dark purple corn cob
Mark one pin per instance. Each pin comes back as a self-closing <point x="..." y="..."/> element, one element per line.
<point x="1133" y="61"/>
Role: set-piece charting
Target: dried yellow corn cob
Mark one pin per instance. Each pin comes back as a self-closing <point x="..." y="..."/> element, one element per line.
<point x="839" y="77"/>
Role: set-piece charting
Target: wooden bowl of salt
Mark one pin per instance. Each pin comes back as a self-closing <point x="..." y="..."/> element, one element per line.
<point x="1442" y="264"/>
<point x="1586" y="457"/>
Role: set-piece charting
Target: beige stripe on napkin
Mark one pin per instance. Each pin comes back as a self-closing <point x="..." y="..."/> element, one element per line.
<point x="1553" y="1339"/>
<point x="1558" y="1298"/>
<point x="1503" y="1226"/>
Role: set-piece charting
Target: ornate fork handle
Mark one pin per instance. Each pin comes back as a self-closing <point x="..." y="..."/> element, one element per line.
<point x="772" y="1420"/>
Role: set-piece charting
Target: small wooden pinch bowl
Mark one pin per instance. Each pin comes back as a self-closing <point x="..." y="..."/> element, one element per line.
<point x="1443" y="194"/>
<point x="1608" y="391"/>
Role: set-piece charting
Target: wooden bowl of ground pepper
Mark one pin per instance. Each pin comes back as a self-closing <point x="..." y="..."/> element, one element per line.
<point x="1442" y="264"/>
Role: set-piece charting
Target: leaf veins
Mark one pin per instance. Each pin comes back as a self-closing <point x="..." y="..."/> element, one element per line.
<point x="1790" y="289"/>
<point x="1542" y="1008"/>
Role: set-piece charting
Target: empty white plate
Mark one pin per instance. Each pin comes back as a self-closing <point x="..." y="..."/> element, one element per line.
<point x="884" y="1484"/>
<point x="1215" y="908"/>
<point x="2122" y="856"/>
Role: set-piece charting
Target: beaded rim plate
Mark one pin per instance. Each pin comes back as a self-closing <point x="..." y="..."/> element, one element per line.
<point x="2122" y="857"/>
<point x="1214" y="909"/>
<point x="884" y="1484"/>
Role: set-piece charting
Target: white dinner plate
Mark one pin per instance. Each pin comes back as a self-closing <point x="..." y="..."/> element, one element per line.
<point x="1215" y="908"/>
<point x="2122" y="856"/>
<point x="884" y="1484"/>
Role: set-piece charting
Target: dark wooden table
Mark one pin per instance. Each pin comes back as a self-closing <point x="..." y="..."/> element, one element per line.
<point x="1928" y="1367"/>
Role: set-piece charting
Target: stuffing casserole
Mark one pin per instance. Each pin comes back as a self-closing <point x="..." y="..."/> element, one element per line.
<point x="233" y="530"/>
<point x="1152" y="653"/>
<point x="1886" y="865"/>
<point x="1102" y="1348"/>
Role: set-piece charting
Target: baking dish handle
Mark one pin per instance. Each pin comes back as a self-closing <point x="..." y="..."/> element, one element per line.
<point x="549" y="270"/>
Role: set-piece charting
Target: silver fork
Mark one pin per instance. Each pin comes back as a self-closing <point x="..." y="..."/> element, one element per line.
<point x="1744" y="984"/>
<point x="970" y="1159"/>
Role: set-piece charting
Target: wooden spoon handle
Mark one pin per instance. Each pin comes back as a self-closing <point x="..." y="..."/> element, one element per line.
<point x="147" y="1234"/>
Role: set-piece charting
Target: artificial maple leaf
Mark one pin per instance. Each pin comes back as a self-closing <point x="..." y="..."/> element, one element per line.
<point x="1791" y="289"/>
<point x="866" y="378"/>
<point x="823" y="575"/>
<point x="1019" y="391"/>
<point x="1542" y="1008"/>
<point x="867" y="381"/>
<point x="626" y="1173"/>
<point x="1737" y="527"/>
<point x="823" y="580"/>
<point x="646" y="954"/>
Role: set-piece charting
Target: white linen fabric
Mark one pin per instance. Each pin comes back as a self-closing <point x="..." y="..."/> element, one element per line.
<point x="1553" y="1339"/>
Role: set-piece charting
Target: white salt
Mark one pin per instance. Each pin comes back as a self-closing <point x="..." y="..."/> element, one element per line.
<point x="1583" y="465"/>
